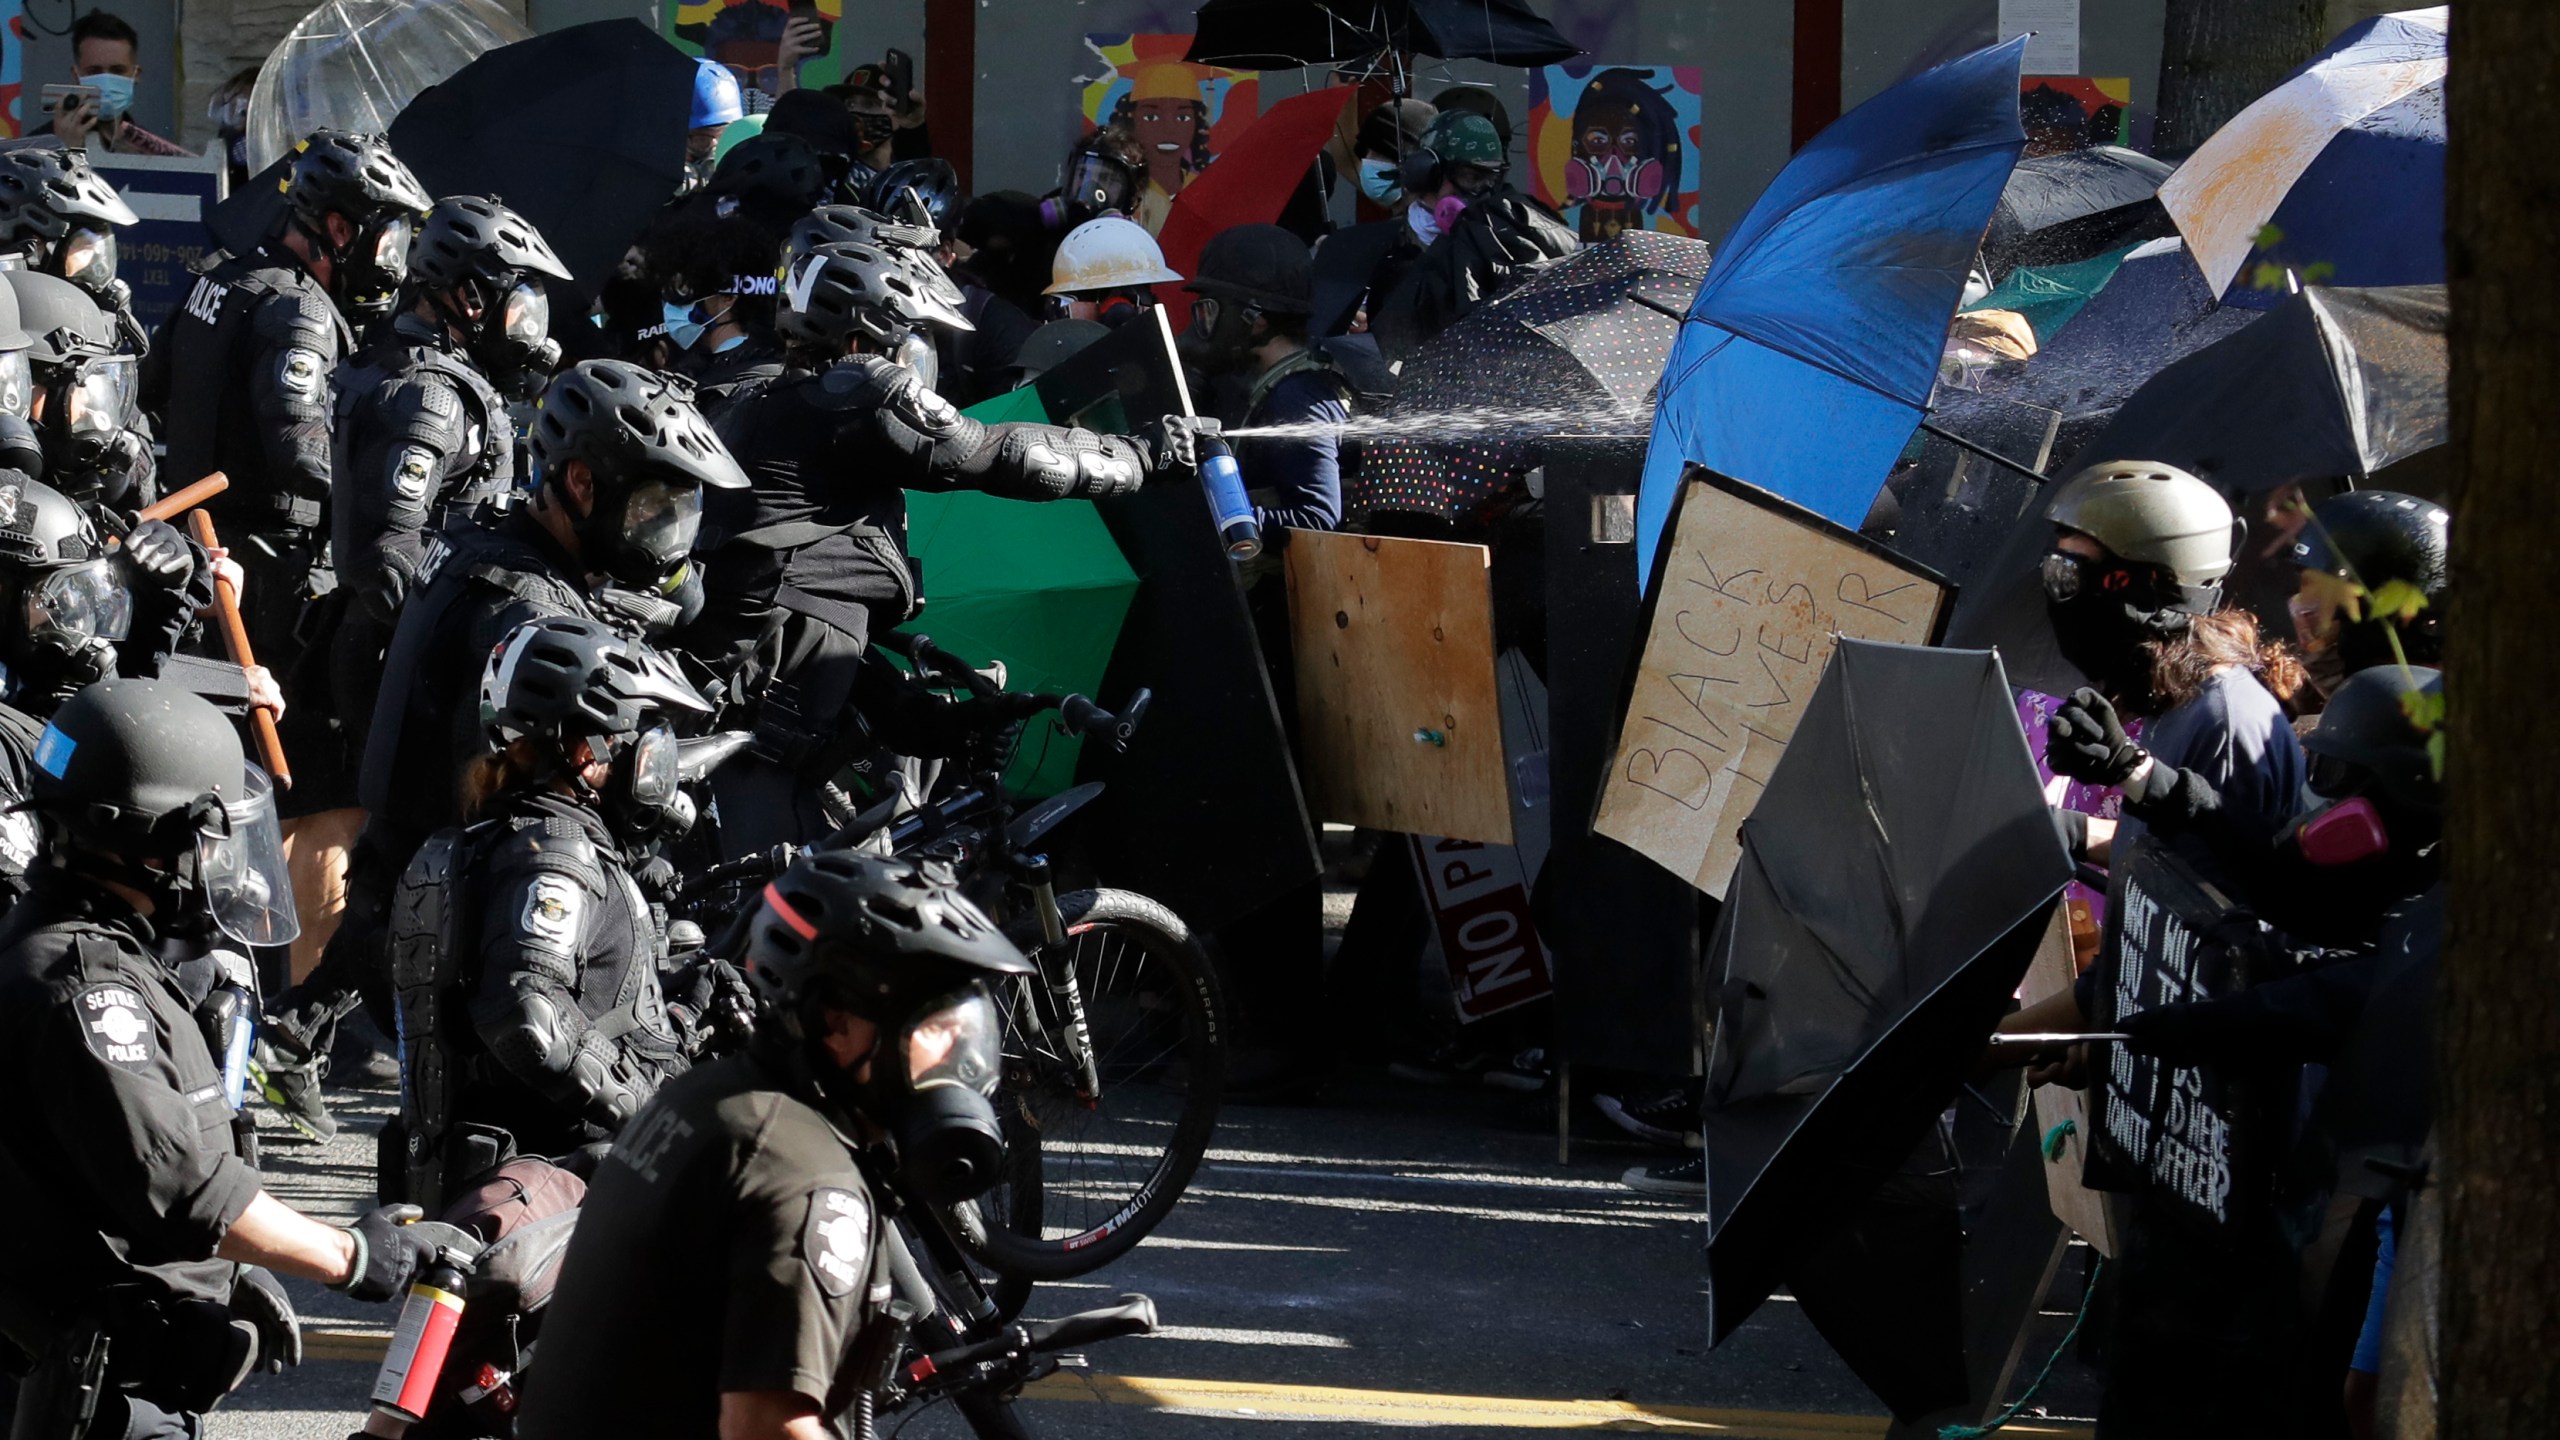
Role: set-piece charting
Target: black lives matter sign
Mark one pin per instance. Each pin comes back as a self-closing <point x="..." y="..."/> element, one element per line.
<point x="2194" y="1135"/>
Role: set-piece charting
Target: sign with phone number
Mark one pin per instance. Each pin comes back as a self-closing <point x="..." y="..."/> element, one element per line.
<point x="172" y="195"/>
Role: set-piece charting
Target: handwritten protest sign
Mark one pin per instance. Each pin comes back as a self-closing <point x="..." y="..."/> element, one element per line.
<point x="2194" y="1134"/>
<point x="1748" y="601"/>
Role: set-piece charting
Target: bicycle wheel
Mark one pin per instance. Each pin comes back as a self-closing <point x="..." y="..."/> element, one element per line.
<point x="1113" y="1161"/>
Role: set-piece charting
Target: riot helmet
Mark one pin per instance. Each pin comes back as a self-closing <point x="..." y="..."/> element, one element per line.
<point x="70" y="598"/>
<point x="145" y="781"/>
<point x="2371" y="740"/>
<point x="61" y="214"/>
<point x="475" y="253"/>
<point x="2352" y="546"/>
<point x="562" y="680"/>
<point x="768" y="175"/>
<point x="848" y="291"/>
<point x="900" y="947"/>
<point x="85" y="393"/>
<point x="17" y="380"/>
<point x="649" y="456"/>
<point x="925" y="193"/>
<point x="358" y="179"/>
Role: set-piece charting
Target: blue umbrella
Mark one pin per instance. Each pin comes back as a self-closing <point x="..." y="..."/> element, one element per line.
<point x="1812" y="347"/>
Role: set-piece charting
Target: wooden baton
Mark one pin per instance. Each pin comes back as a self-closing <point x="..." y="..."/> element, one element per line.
<point x="235" y="638"/>
<point x="184" y="500"/>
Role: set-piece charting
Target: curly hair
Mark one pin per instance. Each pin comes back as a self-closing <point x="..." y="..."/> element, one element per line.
<point x="2182" y="666"/>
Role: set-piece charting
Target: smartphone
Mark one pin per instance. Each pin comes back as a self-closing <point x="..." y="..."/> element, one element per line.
<point x="901" y="70"/>
<point x="804" y="9"/>
<point x="54" y="96"/>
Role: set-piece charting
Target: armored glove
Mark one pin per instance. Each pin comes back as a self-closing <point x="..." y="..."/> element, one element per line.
<point x="1172" y="442"/>
<point x="392" y="1245"/>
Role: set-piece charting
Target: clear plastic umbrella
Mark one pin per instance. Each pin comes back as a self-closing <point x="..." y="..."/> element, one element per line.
<point x="355" y="64"/>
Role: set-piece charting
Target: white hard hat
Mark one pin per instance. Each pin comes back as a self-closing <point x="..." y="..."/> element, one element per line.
<point x="1112" y="253"/>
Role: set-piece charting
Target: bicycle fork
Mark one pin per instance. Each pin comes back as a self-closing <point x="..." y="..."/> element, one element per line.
<point x="1060" y="978"/>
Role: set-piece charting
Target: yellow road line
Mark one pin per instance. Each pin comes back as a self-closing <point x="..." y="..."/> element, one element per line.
<point x="1395" y="1407"/>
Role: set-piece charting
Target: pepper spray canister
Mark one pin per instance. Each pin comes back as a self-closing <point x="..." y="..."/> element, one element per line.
<point x="1227" y="500"/>
<point x="419" y="1343"/>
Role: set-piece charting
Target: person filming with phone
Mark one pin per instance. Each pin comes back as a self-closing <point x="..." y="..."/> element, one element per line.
<point x="106" y="64"/>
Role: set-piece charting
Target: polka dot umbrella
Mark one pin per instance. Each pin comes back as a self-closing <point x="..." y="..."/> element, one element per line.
<point x="1575" y="348"/>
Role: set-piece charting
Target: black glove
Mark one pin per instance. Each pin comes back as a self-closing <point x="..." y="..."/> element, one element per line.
<point x="257" y="1298"/>
<point x="2087" y="742"/>
<point x="1173" y="441"/>
<point x="162" y="553"/>
<point x="393" y="1245"/>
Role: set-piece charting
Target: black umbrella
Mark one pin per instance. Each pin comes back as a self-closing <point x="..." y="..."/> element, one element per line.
<point x="1896" y="877"/>
<point x="2060" y="208"/>
<point x="1286" y="34"/>
<point x="2334" y="382"/>
<point x="253" y="212"/>
<point x="1578" y="347"/>
<point x="582" y="131"/>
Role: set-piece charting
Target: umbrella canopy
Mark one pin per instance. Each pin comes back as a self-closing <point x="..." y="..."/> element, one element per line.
<point x="1896" y="878"/>
<point x="1042" y="588"/>
<point x="1577" y="347"/>
<point x="1286" y="34"/>
<point x="1814" y="344"/>
<point x="351" y="65"/>
<point x="1249" y="183"/>
<point x="2061" y="208"/>
<point x="581" y="130"/>
<point x="2345" y="159"/>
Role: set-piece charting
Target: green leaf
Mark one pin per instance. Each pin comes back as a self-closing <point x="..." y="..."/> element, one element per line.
<point x="2398" y="600"/>
<point x="2317" y="271"/>
<point x="2435" y="755"/>
<point x="2425" y="711"/>
<point x="2264" y="276"/>
<point x="2269" y="237"/>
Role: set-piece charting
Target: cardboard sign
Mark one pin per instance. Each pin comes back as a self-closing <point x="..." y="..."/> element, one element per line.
<point x="2063" y="1122"/>
<point x="2196" y="1135"/>
<point x="172" y="194"/>
<point x="1400" y="719"/>
<point x="1748" y="599"/>
<point x="1479" y="899"/>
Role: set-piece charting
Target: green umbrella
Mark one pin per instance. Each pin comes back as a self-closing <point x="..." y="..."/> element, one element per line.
<point x="1042" y="588"/>
<point x="2049" y="295"/>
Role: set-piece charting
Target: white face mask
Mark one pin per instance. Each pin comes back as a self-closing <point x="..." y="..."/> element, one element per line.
<point x="1426" y="226"/>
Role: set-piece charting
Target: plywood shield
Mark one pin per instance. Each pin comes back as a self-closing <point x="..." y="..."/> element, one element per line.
<point x="1749" y="596"/>
<point x="1398" y="710"/>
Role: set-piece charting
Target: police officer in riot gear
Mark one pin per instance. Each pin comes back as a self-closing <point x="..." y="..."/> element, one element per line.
<point x="136" y="1294"/>
<point x="59" y="217"/>
<point x="242" y="372"/>
<point x="877" y="1026"/>
<point x="805" y="566"/>
<point x="620" y="461"/>
<point x="525" y="955"/>
<point x="77" y="611"/>
<point x="82" y="401"/>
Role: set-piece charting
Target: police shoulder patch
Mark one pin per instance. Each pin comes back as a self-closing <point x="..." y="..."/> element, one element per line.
<point x="115" y="1024"/>
<point x="552" y="909"/>
<point x="836" y="1241"/>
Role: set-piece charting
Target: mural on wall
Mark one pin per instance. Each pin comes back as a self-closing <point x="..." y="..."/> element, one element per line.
<point x="13" y="68"/>
<point x="2074" y="112"/>
<point x="1178" y="114"/>
<point x="1615" y="147"/>
<point x="746" y="35"/>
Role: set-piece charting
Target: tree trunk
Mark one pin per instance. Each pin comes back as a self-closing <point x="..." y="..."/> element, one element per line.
<point x="2218" y="55"/>
<point x="2498" y="1110"/>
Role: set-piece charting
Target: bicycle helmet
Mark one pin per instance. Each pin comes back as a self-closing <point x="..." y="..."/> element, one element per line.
<point x="58" y="212"/>
<point x="560" y="678"/>
<point x="467" y="238"/>
<point x="911" y="245"/>
<point x="353" y="175"/>
<point x="2157" y="515"/>
<point x="871" y="935"/>
<point x="649" y="454"/>
<point x="838" y="292"/>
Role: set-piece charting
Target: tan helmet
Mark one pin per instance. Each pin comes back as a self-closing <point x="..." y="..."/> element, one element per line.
<point x="2153" y="514"/>
<point x="1112" y="253"/>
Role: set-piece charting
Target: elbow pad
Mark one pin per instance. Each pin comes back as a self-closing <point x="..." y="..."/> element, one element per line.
<point x="540" y="1040"/>
<point x="1054" y="463"/>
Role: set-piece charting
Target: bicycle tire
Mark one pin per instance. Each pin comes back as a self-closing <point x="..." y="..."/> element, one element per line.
<point x="1112" y="1171"/>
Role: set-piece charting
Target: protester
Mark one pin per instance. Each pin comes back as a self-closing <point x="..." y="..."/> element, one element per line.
<point x="887" y="110"/>
<point x="715" y="105"/>
<point x="106" y="56"/>
<point x="716" y="282"/>
<point x="1105" y="270"/>
<point x="1479" y="236"/>
<point x="228" y="109"/>
<point x="1387" y="135"/>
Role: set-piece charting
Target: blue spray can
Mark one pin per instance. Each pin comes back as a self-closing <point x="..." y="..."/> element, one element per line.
<point x="1227" y="499"/>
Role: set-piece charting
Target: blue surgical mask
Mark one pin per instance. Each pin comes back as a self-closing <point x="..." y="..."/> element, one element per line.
<point x="1426" y="225"/>
<point x="1379" y="181"/>
<point x="682" y="327"/>
<point x="115" y="93"/>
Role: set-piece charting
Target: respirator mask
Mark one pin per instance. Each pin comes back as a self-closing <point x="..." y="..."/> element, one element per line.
<point x="933" y="1079"/>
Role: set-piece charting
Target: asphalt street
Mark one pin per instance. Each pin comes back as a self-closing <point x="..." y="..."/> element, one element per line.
<point x="1398" y="1254"/>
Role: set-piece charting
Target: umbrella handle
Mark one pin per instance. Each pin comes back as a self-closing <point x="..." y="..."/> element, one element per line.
<point x="2061" y="1037"/>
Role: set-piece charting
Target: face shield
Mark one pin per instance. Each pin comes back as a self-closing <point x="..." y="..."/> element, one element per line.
<point x="17" y="384"/>
<point x="100" y="400"/>
<point x="242" y="870"/>
<point x="80" y="606"/>
<point x="89" y="258"/>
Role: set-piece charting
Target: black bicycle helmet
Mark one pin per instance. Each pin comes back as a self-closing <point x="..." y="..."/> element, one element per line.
<point x="2368" y="728"/>
<point x="770" y="174"/>
<point x="131" y="766"/>
<point x="46" y="193"/>
<point x="354" y="175"/>
<point x="870" y="935"/>
<point x="628" y="421"/>
<point x="63" y="322"/>
<point x="2374" y="537"/>
<point x="923" y="192"/>
<point x="910" y="245"/>
<point x="839" y="291"/>
<point x="467" y="237"/>
<point x="561" y="677"/>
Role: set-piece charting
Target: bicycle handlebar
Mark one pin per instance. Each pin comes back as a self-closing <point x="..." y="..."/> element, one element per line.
<point x="1135" y="1315"/>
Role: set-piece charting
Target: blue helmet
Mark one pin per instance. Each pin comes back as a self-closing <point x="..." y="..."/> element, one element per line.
<point x="715" y="95"/>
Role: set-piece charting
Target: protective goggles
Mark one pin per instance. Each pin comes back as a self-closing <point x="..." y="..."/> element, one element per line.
<point x="17" y="384"/>
<point x="84" y="602"/>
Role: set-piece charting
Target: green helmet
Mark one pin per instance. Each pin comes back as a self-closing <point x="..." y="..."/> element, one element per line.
<point x="1460" y="138"/>
<point x="2154" y="514"/>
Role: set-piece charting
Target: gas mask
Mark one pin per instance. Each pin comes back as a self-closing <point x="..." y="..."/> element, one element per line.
<point x="641" y="796"/>
<point x="366" y="273"/>
<point x="1095" y="185"/>
<point x="933" y="1078"/>
<point x="89" y="413"/>
<point x="69" y="622"/>
<point x="17" y="384"/>
<point x="640" y="531"/>
<point x="1220" y="336"/>
<point x="512" y="336"/>
<point x="87" y="258"/>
